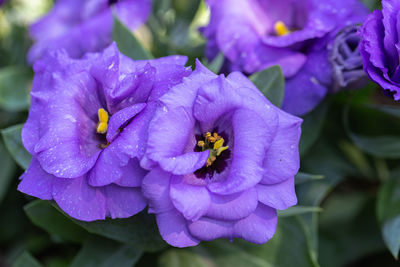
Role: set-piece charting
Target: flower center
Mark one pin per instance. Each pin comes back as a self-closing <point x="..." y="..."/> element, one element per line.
<point x="112" y="2"/>
<point x="219" y="155"/>
<point x="214" y="143"/>
<point x="281" y="29"/>
<point x="102" y="125"/>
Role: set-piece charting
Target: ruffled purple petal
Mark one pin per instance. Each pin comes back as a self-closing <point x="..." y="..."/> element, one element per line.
<point x="265" y="56"/>
<point x="97" y="32"/>
<point x="376" y="62"/>
<point x="155" y="188"/>
<point x="233" y="207"/>
<point x="278" y="196"/>
<point x="80" y="200"/>
<point x="123" y="202"/>
<point x="112" y="164"/>
<point x="191" y="201"/>
<point x="390" y="11"/>
<point x="30" y="131"/>
<point x="132" y="175"/>
<point x="317" y="21"/>
<point x="86" y="203"/>
<point x="183" y="94"/>
<point x="64" y="26"/>
<point x="36" y="182"/>
<point x="164" y="147"/>
<point x="373" y="34"/>
<point x="68" y="145"/>
<point x="215" y="99"/>
<point x="251" y="139"/>
<point x="236" y="42"/>
<point x="282" y="161"/>
<point x="253" y="99"/>
<point x="132" y="12"/>
<point x="259" y="227"/>
<point x="208" y="229"/>
<point x="121" y="118"/>
<point x="173" y="229"/>
<point x="304" y="91"/>
<point x="43" y="89"/>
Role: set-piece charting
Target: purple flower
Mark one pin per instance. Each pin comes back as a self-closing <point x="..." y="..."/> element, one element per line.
<point x="256" y="34"/>
<point x="87" y="129"/>
<point x="380" y="47"/>
<point x="346" y="60"/>
<point x="222" y="159"/>
<point x="81" y="26"/>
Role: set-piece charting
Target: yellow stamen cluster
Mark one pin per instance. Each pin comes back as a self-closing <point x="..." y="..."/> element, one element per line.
<point x="280" y="28"/>
<point x="214" y="143"/>
<point x="102" y="125"/>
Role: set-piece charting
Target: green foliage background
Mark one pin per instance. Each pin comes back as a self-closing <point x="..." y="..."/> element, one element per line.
<point x="348" y="186"/>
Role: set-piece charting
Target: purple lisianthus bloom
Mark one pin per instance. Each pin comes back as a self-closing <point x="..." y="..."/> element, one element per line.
<point x="346" y="60"/>
<point x="222" y="160"/>
<point x="81" y="26"/>
<point x="256" y="34"/>
<point x="87" y="130"/>
<point x="379" y="47"/>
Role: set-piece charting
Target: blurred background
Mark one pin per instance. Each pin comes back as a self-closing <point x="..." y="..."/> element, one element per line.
<point x="348" y="187"/>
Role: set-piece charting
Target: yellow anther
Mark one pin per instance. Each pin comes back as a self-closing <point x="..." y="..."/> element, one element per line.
<point x="209" y="162"/>
<point x="214" y="143"/>
<point x="102" y="127"/>
<point x="103" y="121"/>
<point x="280" y="28"/>
<point x="103" y="115"/>
<point x="212" y="139"/>
<point x="104" y="145"/>
<point x="219" y="143"/>
<point x="221" y="149"/>
<point x="201" y="144"/>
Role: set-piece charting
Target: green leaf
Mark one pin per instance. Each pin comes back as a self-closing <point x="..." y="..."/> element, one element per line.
<point x="326" y="159"/>
<point x="15" y="83"/>
<point x="391" y="235"/>
<point x="102" y="252"/>
<point x="390" y="110"/>
<point x="127" y="43"/>
<point x="26" y="260"/>
<point x="312" y="127"/>
<point x="139" y="230"/>
<point x="271" y="83"/>
<point x="184" y="258"/>
<point x="388" y="212"/>
<point x="289" y="239"/>
<point x="380" y="146"/>
<point x="302" y="177"/>
<point x="45" y="216"/>
<point x="216" y="64"/>
<point x="372" y="4"/>
<point x="297" y="210"/>
<point x="186" y="9"/>
<point x="7" y="167"/>
<point x="13" y="142"/>
<point x="348" y="229"/>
